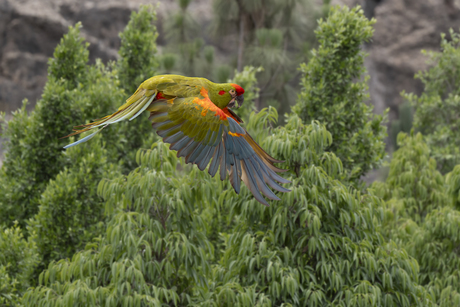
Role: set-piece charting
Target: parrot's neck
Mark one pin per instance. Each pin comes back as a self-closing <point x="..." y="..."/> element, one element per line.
<point x="221" y="101"/>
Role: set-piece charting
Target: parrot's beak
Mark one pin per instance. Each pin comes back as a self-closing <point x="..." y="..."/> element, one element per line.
<point x="240" y="100"/>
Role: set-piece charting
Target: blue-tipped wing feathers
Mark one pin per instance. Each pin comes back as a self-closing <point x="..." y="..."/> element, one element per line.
<point x="204" y="135"/>
<point x="222" y="144"/>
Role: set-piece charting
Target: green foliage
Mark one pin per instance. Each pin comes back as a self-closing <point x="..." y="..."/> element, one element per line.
<point x="70" y="58"/>
<point x="419" y="216"/>
<point x="453" y="184"/>
<point x="434" y="245"/>
<point x="18" y="259"/>
<point x="438" y="106"/>
<point x="318" y="246"/>
<point x="52" y="190"/>
<point x="413" y="186"/>
<point x="33" y="153"/>
<point x="165" y="233"/>
<point x="300" y="251"/>
<point x="137" y="63"/>
<point x="138" y="49"/>
<point x="155" y="240"/>
<point x="334" y="94"/>
<point x="403" y="124"/>
<point x="70" y="213"/>
<point x="247" y="80"/>
<point x="9" y="294"/>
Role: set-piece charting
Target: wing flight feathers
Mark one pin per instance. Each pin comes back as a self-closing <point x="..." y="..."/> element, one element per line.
<point x="204" y="138"/>
<point x="200" y="132"/>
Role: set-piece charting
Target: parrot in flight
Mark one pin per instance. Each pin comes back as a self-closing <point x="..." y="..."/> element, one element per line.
<point x="194" y="115"/>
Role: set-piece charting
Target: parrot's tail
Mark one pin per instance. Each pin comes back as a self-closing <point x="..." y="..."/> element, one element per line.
<point x="133" y="107"/>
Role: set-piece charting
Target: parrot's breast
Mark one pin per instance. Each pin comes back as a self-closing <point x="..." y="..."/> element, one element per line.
<point x="207" y="105"/>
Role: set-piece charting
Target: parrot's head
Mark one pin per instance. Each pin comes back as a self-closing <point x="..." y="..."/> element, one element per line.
<point x="237" y="94"/>
<point x="226" y="94"/>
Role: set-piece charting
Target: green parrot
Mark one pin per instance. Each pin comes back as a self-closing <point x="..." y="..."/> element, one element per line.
<point x="194" y="115"/>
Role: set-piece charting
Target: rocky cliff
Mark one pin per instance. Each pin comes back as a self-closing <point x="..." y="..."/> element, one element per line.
<point x="31" y="29"/>
<point x="402" y="30"/>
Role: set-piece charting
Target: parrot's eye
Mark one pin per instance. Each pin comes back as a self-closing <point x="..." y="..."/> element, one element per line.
<point x="232" y="92"/>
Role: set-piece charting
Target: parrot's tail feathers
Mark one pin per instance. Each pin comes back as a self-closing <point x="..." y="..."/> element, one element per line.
<point x="86" y="138"/>
<point x="130" y="111"/>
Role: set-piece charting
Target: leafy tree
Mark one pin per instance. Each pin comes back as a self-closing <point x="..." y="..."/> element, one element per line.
<point x="318" y="246"/>
<point x="137" y="63"/>
<point x="18" y="259"/>
<point x="421" y="204"/>
<point x="334" y="94"/>
<point x="247" y="79"/>
<point x="403" y="124"/>
<point x="70" y="212"/>
<point x="300" y="251"/>
<point x="437" y="107"/>
<point x="413" y="179"/>
<point x="434" y="245"/>
<point x="138" y="49"/>
<point x="154" y="243"/>
<point x="33" y="153"/>
<point x="176" y="236"/>
<point x="419" y="216"/>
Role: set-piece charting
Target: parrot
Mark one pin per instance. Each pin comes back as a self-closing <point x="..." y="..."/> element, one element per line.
<point x="195" y="116"/>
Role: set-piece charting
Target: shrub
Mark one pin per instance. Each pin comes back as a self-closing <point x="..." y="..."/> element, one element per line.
<point x="318" y="246"/>
<point x="18" y="259"/>
<point x="334" y="91"/>
<point x="419" y="216"/>
<point x="32" y="157"/>
<point x="437" y="107"/>
<point x="70" y="213"/>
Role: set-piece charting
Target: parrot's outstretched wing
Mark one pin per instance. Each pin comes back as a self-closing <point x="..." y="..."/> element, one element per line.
<point x="199" y="131"/>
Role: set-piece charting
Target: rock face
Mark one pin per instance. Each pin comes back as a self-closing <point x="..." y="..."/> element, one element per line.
<point x="402" y="30"/>
<point x="31" y="29"/>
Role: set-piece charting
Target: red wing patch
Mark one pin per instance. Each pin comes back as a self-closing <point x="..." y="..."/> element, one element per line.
<point x="159" y="96"/>
<point x="207" y="104"/>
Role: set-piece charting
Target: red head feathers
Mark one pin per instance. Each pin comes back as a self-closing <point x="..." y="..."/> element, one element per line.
<point x="239" y="90"/>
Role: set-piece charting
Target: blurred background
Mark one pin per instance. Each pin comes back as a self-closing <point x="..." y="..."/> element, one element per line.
<point x="213" y="38"/>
